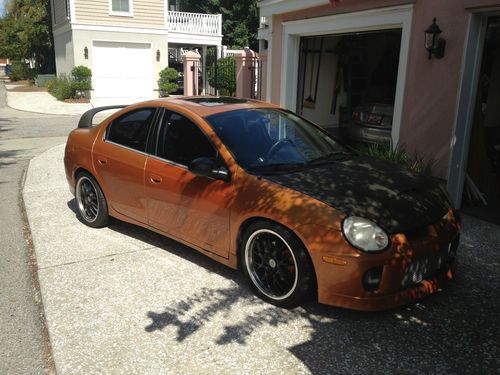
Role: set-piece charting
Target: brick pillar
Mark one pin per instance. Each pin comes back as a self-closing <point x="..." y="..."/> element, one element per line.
<point x="244" y="61"/>
<point x="191" y="61"/>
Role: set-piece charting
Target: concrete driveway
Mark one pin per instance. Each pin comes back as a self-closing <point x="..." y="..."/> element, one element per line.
<point x="125" y="300"/>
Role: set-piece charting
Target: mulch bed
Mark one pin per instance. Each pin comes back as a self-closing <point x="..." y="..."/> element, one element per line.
<point x="80" y="100"/>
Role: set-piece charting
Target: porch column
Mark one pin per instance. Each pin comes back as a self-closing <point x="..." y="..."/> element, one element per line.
<point x="191" y="62"/>
<point x="244" y="65"/>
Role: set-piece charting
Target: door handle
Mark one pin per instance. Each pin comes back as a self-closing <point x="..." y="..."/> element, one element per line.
<point x="102" y="161"/>
<point x="155" y="179"/>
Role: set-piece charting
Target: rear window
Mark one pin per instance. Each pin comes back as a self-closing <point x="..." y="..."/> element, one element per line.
<point x="131" y="130"/>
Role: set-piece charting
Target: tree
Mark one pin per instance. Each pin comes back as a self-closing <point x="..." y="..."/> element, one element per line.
<point x="240" y="19"/>
<point x="26" y="33"/>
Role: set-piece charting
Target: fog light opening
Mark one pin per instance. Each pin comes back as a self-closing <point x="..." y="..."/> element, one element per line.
<point x="371" y="279"/>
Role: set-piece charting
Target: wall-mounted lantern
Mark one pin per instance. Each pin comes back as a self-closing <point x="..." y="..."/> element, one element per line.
<point x="86" y="53"/>
<point x="433" y="43"/>
<point x="158" y="55"/>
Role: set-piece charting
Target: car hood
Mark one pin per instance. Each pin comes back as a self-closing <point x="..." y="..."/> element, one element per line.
<point x="395" y="199"/>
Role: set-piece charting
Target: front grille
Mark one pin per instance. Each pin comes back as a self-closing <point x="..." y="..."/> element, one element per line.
<point x="425" y="267"/>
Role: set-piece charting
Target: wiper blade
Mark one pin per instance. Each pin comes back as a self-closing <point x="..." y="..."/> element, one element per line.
<point x="329" y="158"/>
<point x="275" y="166"/>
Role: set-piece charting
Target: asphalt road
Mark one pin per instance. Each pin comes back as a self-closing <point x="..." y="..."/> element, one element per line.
<point x="24" y="344"/>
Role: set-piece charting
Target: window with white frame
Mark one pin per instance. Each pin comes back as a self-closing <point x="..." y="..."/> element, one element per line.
<point x="121" y="7"/>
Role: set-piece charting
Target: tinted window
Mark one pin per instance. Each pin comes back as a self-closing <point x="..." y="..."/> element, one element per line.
<point x="263" y="137"/>
<point x="181" y="141"/>
<point x="131" y="130"/>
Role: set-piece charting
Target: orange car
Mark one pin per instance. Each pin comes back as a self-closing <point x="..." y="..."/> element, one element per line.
<point x="259" y="188"/>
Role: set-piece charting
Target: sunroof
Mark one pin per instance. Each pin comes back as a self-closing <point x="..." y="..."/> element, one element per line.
<point x="218" y="101"/>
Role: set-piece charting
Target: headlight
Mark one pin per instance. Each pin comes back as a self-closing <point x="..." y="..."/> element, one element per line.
<point x="364" y="234"/>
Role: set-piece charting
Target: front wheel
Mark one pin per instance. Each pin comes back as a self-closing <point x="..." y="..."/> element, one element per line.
<point x="91" y="204"/>
<point x="277" y="265"/>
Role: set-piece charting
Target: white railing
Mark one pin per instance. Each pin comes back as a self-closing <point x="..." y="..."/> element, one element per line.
<point x="195" y="23"/>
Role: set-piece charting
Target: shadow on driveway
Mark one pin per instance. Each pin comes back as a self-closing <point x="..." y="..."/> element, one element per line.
<point x="453" y="331"/>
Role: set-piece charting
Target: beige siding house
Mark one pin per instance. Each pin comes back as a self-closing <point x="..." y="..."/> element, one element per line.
<point x="126" y="42"/>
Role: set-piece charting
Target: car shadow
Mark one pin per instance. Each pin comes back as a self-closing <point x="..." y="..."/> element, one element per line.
<point x="454" y="331"/>
<point x="176" y="248"/>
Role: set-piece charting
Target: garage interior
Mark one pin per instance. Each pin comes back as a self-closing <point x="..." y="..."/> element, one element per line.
<point x="481" y="196"/>
<point x="338" y="74"/>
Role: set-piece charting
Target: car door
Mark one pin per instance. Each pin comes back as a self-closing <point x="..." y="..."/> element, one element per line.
<point x="119" y="157"/>
<point x="189" y="207"/>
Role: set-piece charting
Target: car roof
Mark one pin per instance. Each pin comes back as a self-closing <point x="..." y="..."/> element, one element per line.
<point x="208" y="105"/>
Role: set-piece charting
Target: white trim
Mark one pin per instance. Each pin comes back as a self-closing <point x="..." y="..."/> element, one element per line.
<point x="269" y="65"/>
<point x="121" y="29"/>
<point x="165" y="13"/>
<point x="175" y="37"/>
<point x="271" y="7"/>
<point x="53" y="13"/>
<point x="130" y="12"/>
<point x="466" y="105"/>
<point x="72" y="9"/>
<point x="377" y="19"/>
<point x="124" y="42"/>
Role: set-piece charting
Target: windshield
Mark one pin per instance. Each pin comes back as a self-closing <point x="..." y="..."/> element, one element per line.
<point x="273" y="139"/>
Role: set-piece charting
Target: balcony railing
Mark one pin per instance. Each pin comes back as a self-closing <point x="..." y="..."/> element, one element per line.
<point x="195" y="23"/>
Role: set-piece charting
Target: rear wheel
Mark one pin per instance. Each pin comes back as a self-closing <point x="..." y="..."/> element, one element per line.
<point x="91" y="204"/>
<point x="277" y="265"/>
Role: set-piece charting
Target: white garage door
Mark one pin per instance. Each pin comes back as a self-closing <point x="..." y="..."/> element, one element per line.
<point x="122" y="70"/>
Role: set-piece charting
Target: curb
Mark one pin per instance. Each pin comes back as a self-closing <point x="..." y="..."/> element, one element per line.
<point x="35" y="282"/>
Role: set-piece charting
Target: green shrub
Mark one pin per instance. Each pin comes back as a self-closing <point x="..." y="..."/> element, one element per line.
<point x="61" y="88"/>
<point x="399" y="155"/>
<point x="81" y="73"/>
<point x="18" y="71"/>
<point x="222" y="76"/>
<point x="168" y="81"/>
<point x="81" y="82"/>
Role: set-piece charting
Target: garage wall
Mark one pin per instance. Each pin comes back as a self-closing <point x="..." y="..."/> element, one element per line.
<point x="321" y="113"/>
<point x="432" y="85"/>
<point x="63" y="50"/>
<point x="86" y="38"/>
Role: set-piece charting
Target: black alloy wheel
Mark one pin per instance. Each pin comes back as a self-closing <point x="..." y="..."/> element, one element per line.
<point x="277" y="265"/>
<point x="92" y="208"/>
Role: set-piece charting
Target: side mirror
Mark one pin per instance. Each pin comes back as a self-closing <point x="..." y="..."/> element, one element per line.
<point x="209" y="167"/>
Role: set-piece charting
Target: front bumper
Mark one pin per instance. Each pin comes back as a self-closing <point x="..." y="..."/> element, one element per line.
<point x="416" y="266"/>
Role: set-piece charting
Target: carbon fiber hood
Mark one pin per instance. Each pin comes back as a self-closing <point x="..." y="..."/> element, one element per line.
<point x="397" y="200"/>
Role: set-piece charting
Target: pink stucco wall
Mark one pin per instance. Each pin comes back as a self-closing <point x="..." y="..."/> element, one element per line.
<point x="432" y="85"/>
<point x="431" y="91"/>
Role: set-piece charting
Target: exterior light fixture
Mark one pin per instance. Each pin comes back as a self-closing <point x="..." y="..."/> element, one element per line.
<point x="86" y="53"/>
<point x="433" y="43"/>
<point x="158" y="55"/>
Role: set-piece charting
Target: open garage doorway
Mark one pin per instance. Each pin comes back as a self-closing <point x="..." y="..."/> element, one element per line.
<point x="347" y="83"/>
<point x="481" y="192"/>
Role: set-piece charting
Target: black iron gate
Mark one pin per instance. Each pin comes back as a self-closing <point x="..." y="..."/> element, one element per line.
<point x="219" y="76"/>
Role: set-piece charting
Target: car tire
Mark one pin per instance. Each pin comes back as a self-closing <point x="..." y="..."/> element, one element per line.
<point x="91" y="205"/>
<point x="277" y="265"/>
